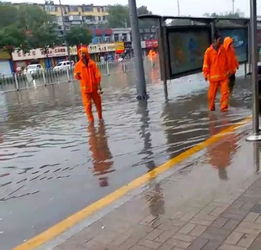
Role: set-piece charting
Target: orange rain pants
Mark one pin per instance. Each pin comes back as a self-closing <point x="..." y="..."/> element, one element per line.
<point x="90" y="78"/>
<point x="212" y="92"/>
<point x="216" y="70"/>
<point x="87" y="99"/>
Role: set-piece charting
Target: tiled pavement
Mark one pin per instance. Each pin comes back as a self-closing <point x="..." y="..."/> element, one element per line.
<point x="226" y="217"/>
<point x="218" y="225"/>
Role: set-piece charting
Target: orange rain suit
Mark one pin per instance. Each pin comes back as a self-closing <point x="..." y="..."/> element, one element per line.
<point x="90" y="78"/>
<point x="215" y="69"/>
<point x="232" y="61"/>
<point x="152" y="56"/>
<point x="231" y="55"/>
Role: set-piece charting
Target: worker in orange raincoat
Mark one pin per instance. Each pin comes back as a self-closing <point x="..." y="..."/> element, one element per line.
<point x="232" y="62"/>
<point x="89" y="75"/>
<point x="152" y="56"/>
<point x="216" y="71"/>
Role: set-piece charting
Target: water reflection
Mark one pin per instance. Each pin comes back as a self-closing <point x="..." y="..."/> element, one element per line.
<point x="43" y="130"/>
<point x="184" y="123"/>
<point x="3" y="108"/>
<point x="154" y="196"/>
<point x="154" y="76"/>
<point x="145" y="135"/>
<point x="221" y="153"/>
<point x="257" y="147"/>
<point x="100" y="152"/>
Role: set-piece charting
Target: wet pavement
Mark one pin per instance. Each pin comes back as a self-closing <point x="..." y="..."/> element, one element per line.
<point x="209" y="201"/>
<point x="53" y="164"/>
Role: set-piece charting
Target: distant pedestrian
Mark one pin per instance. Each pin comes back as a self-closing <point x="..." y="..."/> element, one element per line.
<point x="152" y="57"/>
<point x="232" y="62"/>
<point x="216" y="70"/>
<point x="87" y="72"/>
<point x="102" y="60"/>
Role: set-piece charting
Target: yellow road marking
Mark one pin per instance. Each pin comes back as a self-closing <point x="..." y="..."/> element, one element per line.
<point x="72" y="220"/>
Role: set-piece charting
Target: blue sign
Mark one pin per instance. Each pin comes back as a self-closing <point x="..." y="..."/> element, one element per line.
<point x="240" y="37"/>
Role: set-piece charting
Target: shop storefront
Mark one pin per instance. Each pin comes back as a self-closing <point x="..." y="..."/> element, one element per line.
<point x="5" y="63"/>
<point x="47" y="59"/>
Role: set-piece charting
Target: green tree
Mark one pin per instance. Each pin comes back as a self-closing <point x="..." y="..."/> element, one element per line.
<point x="31" y="27"/>
<point x="143" y="10"/>
<point x="11" y="37"/>
<point x="8" y="15"/>
<point x="38" y="26"/>
<point x="31" y="17"/>
<point x="118" y="16"/>
<point x="145" y="23"/>
<point x="78" y="35"/>
<point x="237" y="14"/>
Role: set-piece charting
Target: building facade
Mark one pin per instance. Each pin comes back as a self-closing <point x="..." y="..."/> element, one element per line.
<point x="74" y="15"/>
<point x="111" y="35"/>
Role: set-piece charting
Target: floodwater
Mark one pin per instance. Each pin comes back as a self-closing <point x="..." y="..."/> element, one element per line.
<point x="52" y="163"/>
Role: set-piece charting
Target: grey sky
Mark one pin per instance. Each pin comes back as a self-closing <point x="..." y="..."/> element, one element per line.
<point x="169" y="7"/>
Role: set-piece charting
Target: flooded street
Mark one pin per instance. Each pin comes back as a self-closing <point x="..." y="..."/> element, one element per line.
<point x="52" y="163"/>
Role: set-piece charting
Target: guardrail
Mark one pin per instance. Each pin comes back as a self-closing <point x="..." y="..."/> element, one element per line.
<point x="20" y="81"/>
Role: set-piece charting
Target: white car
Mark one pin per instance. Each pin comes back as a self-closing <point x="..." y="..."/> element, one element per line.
<point x="34" y="69"/>
<point x="63" y="66"/>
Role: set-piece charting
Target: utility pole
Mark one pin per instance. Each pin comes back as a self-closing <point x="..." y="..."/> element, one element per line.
<point x="255" y="88"/>
<point x="178" y="7"/>
<point x="139" y="67"/>
<point x="64" y="31"/>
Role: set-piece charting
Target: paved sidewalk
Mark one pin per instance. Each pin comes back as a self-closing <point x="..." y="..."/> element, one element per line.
<point x="210" y="201"/>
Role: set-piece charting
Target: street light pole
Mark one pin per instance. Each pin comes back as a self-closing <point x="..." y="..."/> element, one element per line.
<point x="139" y="67"/>
<point x="255" y="88"/>
<point x="64" y="32"/>
<point x="178" y="7"/>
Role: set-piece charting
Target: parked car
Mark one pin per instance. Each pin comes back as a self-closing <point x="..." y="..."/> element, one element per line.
<point x="33" y="69"/>
<point x="64" y="65"/>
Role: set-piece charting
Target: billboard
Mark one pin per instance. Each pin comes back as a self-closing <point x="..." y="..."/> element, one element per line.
<point x="240" y="37"/>
<point x="186" y="47"/>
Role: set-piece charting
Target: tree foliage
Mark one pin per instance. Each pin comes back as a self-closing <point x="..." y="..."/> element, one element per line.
<point x="145" y="23"/>
<point x="8" y="15"/>
<point x="119" y="15"/>
<point x="26" y="27"/>
<point x="143" y="10"/>
<point x="11" y="38"/>
<point x="78" y="35"/>
<point x="237" y="14"/>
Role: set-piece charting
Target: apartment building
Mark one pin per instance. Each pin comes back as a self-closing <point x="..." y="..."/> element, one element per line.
<point x="73" y="15"/>
<point x="111" y="35"/>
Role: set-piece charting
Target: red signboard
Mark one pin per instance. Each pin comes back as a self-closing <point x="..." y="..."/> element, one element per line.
<point x="100" y="32"/>
<point x="151" y="43"/>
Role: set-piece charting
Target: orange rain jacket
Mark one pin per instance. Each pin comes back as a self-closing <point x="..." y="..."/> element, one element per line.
<point x="215" y="66"/>
<point x="89" y="76"/>
<point x="231" y="55"/>
<point x="152" y="54"/>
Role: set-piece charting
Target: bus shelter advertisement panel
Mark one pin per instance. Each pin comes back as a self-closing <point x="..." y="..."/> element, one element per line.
<point x="186" y="50"/>
<point x="240" y="37"/>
